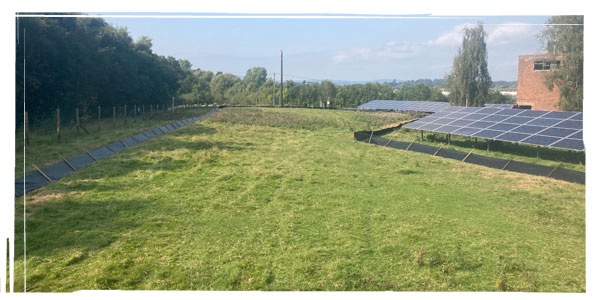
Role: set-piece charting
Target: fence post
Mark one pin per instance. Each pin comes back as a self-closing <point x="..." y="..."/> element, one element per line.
<point x="150" y="107"/>
<point x="134" y="112"/>
<point x="114" y="116"/>
<point x="26" y="125"/>
<point x="58" y="123"/>
<point x="99" y="117"/>
<point x="77" y="118"/>
<point x="157" y="107"/>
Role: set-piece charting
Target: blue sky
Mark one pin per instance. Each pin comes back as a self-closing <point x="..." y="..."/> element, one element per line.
<point x="337" y="49"/>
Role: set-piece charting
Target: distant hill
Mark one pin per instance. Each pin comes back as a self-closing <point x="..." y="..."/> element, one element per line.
<point x="500" y="84"/>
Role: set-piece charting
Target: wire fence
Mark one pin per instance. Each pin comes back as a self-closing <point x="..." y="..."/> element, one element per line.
<point x="46" y="175"/>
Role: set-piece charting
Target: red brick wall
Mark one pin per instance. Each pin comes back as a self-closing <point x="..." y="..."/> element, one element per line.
<point x="531" y="86"/>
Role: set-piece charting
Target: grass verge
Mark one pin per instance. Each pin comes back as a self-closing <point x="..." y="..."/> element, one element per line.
<point x="46" y="149"/>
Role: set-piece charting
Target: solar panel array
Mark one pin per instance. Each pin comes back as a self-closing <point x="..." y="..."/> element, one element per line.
<point x="405" y="105"/>
<point x="556" y="129"/>
<point x="421" y="106"/>
<point x="58" y="170"/>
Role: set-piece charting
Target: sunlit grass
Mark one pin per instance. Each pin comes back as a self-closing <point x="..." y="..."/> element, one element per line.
<point x="268" y="204"/>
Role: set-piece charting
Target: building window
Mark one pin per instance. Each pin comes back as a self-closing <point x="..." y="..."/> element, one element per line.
<point x="545" y="64"/>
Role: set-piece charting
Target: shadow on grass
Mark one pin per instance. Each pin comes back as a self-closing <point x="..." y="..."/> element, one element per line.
<point x="76" y="224"/>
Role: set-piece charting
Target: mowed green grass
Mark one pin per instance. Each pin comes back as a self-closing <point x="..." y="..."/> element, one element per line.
<point x="285" y="205"/>
<point x="46" y="149"/>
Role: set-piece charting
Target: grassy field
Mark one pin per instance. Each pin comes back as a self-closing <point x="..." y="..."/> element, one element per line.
<point x="267" y="199"/>
<point x="45" y="149"/>
<point x="522" y="152"/>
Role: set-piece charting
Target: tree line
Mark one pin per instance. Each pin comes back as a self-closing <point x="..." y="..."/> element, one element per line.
<point x="85" y="63"/>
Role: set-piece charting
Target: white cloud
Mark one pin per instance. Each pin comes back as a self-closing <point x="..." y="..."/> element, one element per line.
<point x="391" y="50"/>
<point x="451" y="38"/>
<point x="510" y="32"/>
<point x="497" y="35"/>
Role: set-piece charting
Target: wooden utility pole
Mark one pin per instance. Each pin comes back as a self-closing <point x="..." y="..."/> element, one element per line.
<point x="58" y="123"/>
<point x="281" y="84"/>
<point x="26" y="125"/>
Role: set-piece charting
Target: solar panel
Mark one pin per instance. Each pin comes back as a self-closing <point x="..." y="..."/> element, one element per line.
<point x="422" y="106"/>
<point x="558" y="129"/>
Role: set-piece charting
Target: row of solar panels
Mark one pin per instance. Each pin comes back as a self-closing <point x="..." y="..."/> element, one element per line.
<point x="420" y="106"/>
<point x="557" y="129"/>
<point x="36" y="179"/>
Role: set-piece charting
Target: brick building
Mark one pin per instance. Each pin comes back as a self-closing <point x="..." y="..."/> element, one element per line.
<point x="532" y="91"/>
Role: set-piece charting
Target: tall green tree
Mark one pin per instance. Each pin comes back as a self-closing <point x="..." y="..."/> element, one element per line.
<point x="565" y="43"/>
<point x="469" y="80"/>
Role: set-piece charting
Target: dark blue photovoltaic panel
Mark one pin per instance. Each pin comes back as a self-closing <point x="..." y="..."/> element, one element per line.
<point x="544" y="122"/>
<point x="471" y="109"/>
<point x="430" y="127"/>
<point x="447" y="129"/>
<point x="453" y="108"/>
<point x="57" y="170"/>
<point x="570" y="124"/>
<point x="495" y="118"/>
<point x="578" y="116"/>
<point x="457" y="115"/>
<point x="569" y="144"/>
<point x="157" y="131"/>
<point x="532" y="113"/>
<point x="512" y="136"/>
<point x="442" y="121"/>
<point x="528" y="129"/>
<point x="140" y="137"/>
<point x="129" y="142"/>
<point x="578" y="135"/>
<point x="503" y="126"/>
<point x="442" y="114"/>
<point x="508" y="112"/>
<point x="488" y="133"/>
<point x="481" y="124"/>
<point x="149" y="133"/>
<point x="116" y="147"/>
<point x="475" y="116"/>
<point x="558" y="132"/>
<point x="461" y="122"/>
<point x="101" y="153"/>
<point x="80" y="161"/>
<point x="544" y="128"/>
<point x="415" y="125"/>
<point x="489" y="110"/>
<point x="466" y="131"/>
<point x="540" y="140"/>
<point x="517" y="120"/>
<point x="560" y="114"/>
